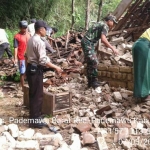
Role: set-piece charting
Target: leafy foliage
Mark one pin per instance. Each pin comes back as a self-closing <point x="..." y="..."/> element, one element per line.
<point x="56" y="12"/>
<point x="3" y="78"/>
<point x="16" y="77"/>
<point x="12" y="11"/>
<point x="11" y="34"/>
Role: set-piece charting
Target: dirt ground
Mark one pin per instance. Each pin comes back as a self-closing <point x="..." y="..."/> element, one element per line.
<point x="12" y="108"/>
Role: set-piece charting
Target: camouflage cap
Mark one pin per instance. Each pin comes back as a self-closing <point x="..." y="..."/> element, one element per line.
<point x="112" y="18"/>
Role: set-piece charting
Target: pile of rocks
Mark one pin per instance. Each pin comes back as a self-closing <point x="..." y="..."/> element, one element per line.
<point x="124" y="57"/>
<point x="107" y="120"/>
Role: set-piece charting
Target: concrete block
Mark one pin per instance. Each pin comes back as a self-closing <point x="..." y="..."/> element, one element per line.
<point x="130" y="86"/>
<point x="100" y="73"/>
<point x="119" y="76"/>
<point x="113" y="68"/>
<point x="108" y="74"/>
<point x="102" y="143"/>
<point x="114" y="83"/>
<point x="125" y="69"/>
<point x="130" y="77"/>
<point x="124" y="76"/>
<point x="117" y="96"/>
<point x="104" y="73"/>
<point x="102" y="67"/>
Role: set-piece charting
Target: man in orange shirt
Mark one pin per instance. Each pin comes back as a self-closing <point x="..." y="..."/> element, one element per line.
<point x="20" y="45"/>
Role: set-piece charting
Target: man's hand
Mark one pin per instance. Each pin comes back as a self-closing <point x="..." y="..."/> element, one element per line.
<point x="58" y="70"/>
<point x="16" y="62"/>
<point x="115" y="51"/>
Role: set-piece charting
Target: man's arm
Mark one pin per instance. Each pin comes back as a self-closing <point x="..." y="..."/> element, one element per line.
<point x="15" y="50"/>
<point x="105" y="41"/>
<point x="44" y="60"/>
<point x="50" y="38"/>
<point x="50" y="65"/>
<point x="15" y="54"/>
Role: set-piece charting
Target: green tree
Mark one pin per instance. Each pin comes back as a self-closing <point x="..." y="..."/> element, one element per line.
<point x="57" y="13"/>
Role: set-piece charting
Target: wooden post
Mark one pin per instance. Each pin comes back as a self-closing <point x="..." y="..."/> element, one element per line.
<point x="87" y="14"/>
<point x="67" y="39"/>
<point x="99" y="10"/>
<point x="58" y="52"/>
<point x="73" y="20"/>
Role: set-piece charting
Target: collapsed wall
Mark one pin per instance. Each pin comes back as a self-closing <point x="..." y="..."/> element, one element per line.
<point x="133" y="19"/>
<point x="116" y="70"/>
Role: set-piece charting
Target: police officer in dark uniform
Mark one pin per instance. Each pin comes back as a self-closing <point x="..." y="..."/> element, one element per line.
<point x="36" y="60"/>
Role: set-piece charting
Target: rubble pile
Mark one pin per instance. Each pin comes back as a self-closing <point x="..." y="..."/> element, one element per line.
<point x="7" y="68"/>
<point x="70" y="57"/>
<point x="124" y="58"/>
<point x="107" y="120"/>
<point x="69" y="48"/>
<point x="74" y="62"/>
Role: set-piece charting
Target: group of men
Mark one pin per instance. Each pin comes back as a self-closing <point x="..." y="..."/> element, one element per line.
<point x="30" y="45"/>
<point x="20" y="44"/>
<point x="35" y="45"/>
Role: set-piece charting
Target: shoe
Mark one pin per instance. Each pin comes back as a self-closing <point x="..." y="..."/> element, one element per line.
<point x="89" y="82"/>
<point x="94" y="85"/>
<point x="145" y="99"/>
<point x="38" y="123"/>
<point x="142" y="99"/>
<point x="94" y="82"/>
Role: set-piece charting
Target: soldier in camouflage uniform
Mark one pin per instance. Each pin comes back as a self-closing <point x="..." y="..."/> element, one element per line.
<point x="96" y="32"/>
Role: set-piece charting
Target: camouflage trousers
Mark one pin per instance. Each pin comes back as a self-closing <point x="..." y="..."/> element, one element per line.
<point x="90" y="58"/>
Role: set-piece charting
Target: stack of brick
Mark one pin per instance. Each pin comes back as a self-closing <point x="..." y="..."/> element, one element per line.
<point x="117" y="76"/>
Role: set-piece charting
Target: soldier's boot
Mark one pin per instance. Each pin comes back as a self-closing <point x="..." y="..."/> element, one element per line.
<point x="94" y="82"/>
<point x="89" y="82"/>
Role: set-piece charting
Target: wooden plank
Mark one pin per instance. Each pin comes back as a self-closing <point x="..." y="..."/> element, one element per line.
<point x="128" y="15"/>
<point x="67" y="39"/>
<point x="121" y="8"/>
<point x="128" y="30"/>
<point x="58" y="52"/>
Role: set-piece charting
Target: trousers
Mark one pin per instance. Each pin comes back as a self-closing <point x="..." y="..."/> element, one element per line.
<point x="35" y="82"/>
<point x="90" y="58"/>
<point x="5" y="47"/>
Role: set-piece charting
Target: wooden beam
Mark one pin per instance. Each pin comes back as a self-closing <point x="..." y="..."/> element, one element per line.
<point x="121" y="8"/>
<point x="128" y="30"/>
<point x="127" y="16"/>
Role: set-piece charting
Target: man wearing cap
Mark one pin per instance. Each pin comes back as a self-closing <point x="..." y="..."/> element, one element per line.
<point x="31" y="29"/>
<point x="96" y="32"/>
<point x="36" y="60"/>
<point x="45" y="39"/>
<point x="50" y="32"/>
<point x="20" y="44"/>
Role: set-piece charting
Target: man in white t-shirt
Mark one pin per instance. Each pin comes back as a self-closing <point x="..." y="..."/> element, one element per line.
<point x="31" y="29"/>
<point x="49" y="48"/>
<point x="4" y="45"/>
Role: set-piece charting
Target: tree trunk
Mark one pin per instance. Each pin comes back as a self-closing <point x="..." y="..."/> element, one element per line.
<point x="99" y="10"/>
<point x="87" y="14"/>
<point x="73" y="20"/>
